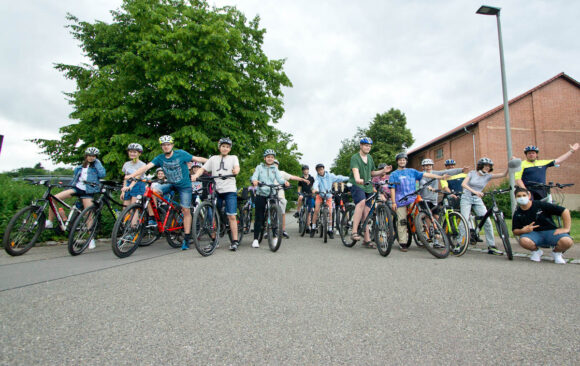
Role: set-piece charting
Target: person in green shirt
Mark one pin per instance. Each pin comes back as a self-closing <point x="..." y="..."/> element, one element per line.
<point x="362" y="169"/>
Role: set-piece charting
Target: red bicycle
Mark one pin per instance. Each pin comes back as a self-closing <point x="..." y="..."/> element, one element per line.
<point x="131" y="227"/>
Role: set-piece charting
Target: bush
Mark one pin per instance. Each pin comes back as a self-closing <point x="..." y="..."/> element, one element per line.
<point x="503" y="200"/>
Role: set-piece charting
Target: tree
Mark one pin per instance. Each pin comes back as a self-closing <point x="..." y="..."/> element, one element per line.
<point x="390" y="136"/>
<point x="173" y="67"/>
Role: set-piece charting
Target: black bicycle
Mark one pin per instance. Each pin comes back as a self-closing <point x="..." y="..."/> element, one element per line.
<point x="211" y="223"/>
<point x="245" y="207"/>
<point x="305" y="214"/>
<point x="85" y="227"/>
<point x="272" y="217"/>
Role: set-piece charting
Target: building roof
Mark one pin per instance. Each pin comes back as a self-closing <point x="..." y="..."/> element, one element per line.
<point x="483" y="116"/>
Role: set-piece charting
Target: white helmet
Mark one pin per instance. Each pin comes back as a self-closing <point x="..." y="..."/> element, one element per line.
<point x="135" y="146"/>
<point x="92" y="151"/>
<point x="427" y="162"/>
<point x="165" y="139"/>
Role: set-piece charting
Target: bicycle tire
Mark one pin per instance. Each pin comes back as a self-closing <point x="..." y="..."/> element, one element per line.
<point x="302" y="221"/>
<point x="247" y="214"/>
<point x="151" y="233"/>
<point x="83" y="230"/>
<point x="432" y="235"/>
<point x="384" y="234"/>
<point x="324" y="226"/>
<point x="275" y="227"/>
<point x="125" y="238"/>
<point x="345" y="229"/>
<point x="29" y="220"/>
<point x="174" y="229"/>
<point x="503" y="232"/>
<point x="206" y="223"/>
<point x="457" y="232"/>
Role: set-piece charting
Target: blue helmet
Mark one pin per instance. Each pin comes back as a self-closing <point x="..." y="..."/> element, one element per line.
<point x="366" y="140"/>
<point x="449" y="162"/>
<point x="531" y="148"/>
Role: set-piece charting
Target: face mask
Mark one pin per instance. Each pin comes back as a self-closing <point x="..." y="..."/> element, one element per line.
<point x="522" y="200"/>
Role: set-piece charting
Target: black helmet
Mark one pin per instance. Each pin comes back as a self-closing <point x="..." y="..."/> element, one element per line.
<point x="304" y="167"/>
<point x="319" y="165"/>
<point x="401" y="155"/>
<point x="381" y="166"/>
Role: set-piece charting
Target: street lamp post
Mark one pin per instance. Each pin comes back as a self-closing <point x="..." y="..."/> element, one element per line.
<point x="490" y="10"/>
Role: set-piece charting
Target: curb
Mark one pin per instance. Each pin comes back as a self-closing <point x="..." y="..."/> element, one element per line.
<point x="525" y="255"/>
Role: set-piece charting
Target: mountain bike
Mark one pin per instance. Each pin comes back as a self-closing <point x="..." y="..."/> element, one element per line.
<point x="132" y="223"/>
<point x="420" y="221"/>
<point x="339" y="207"/>
<point x="324" y="223"/>
<point x="273" y="217"/>
<point x="305" y="214"/>
<point x="245" y="208"/>
<point x="379" y="221"/>
<point x="85" y="227"/>
<point x="477" y="222"/>
<point x="25" y="227"/>
<point x="454" y="225"/>
<point x="556" y="198"/>
<point x="211" y="223"/>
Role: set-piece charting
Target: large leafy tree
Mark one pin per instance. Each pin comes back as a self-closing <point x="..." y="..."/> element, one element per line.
<point x="390" y="136"/>
<point x="173" y="67"/>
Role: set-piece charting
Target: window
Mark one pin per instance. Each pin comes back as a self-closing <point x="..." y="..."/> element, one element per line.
<point x="439" y="153"/>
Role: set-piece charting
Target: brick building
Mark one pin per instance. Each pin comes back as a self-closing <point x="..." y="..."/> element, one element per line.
<point x="547" y="116"/>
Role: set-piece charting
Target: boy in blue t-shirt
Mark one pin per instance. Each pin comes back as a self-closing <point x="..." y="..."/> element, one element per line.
<point x="403" y="182"/>
<point x="174" y="164"/>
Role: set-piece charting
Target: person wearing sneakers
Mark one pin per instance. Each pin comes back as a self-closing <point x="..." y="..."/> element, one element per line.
<point x="174" y="164"/>
<point x="305" y="189"/>
<point x="89" y="172"/>
<point x="532" y="221"/>
<point x="453" y="184"/>
<point x="282" y="196"/>
<point x="473" y="186"/>
<point x="266" y="173"/>
<point x="534" y="170"/>
<point x="362" y="169"/>
<point x="323" y="183"/>
<point x="402" y="182"/>
<point x="225" y="164"/>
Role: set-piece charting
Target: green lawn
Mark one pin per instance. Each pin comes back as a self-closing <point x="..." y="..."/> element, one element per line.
<point x="574" y="232"/>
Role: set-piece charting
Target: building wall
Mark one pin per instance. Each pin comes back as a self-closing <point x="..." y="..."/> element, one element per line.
<point x="548" y="118"/>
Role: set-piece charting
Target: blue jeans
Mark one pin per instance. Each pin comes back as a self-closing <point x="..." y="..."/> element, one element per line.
<point x="544" y="239"/>
<point x="185" y="193"/>
<point x="473" y="202"/>
<point x="231" y="200"/>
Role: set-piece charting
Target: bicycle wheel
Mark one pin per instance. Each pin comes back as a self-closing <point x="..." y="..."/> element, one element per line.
<point x="345" y="229"/>
<point x="384" y="233"/>
<point x="174" y="230"/>
<point x="206" y="223"/>
<point x="23" y="230"/>
<point x="247" y="214"/>
<point x="151" y="232"/>
<point x="432" y="235"/>
<point x="274" y="227"/>
<point x="502" y="231"/>
<point x="457" y="232"/>
<point x="324" y="226"/>
<point x="128" y="230"/>
<point x="302" y="221"/>
<point x="83" y="229"/>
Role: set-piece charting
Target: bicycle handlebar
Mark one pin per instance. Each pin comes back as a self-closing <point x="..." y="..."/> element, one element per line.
<point x="549" y="185"/>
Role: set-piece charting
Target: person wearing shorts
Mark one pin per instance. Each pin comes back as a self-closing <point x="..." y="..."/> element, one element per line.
<point x="532" y="221"/>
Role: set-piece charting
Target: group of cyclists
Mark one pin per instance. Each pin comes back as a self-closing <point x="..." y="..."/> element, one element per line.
<point x="179" y="172"/>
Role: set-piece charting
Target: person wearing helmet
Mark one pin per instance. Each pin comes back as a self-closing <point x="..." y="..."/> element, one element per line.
<point x="131" y="190"/>
<point x="267" y="173"/>
<point x="429" y="186"/>
<point x="174" y="164"/>
<point x="534" y="170"/>
<point x="322" y="185"/>
<point x="453" y="184"/>
<point x="200" y="190"/>
<point x="473" y="186"/>
<point x="85" y="184"/>
<point x="402" y="182"/>
<point x="305" y="190"/>
<point x="362" y="169"/>
<point x="225" y="164"/>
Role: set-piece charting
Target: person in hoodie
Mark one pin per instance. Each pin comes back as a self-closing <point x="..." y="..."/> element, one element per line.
<point x="266" y="173"/>
<point x="323" y="182"/>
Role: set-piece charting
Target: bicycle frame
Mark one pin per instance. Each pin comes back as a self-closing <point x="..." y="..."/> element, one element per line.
<point x="161" y="224"/>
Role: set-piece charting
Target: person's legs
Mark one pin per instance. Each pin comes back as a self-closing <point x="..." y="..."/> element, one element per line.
<point x="402" y="225"/>
<point x="61" y="196"/>
<point x="185" y="201"/>
<point x="259" y="215"/>
<point x="358" y="197"/>
<point x="231" y="201"/>
<point x="480" y="210"/>
<point x="316" y="210"/>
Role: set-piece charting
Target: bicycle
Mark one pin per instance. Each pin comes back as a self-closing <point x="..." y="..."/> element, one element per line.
<point x="86" y="225"/>
<point x="323" y="221"/>
<point x="477" y="223"/>
<point x="211" y="223"/>
<point x="273" y="217"/>
<point x="454" y="225"/>
<point x="245" y="210"/>
<point x="339" y="207"/>
<point x="305" y="214"/>
<point x="26" y="226"/>
<point x="420" y="222"/>
<point x="559" y="196"/>
<point x="379" y="220"/>
<point x="132" y="223"/>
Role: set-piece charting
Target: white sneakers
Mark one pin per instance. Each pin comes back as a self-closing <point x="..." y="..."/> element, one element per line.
<point x="48" y="224"/>
<point x="255" y="244"/>
<point x="558" y="258"/>
<point x="537" y="255"/>
<point x="92" y="244"/>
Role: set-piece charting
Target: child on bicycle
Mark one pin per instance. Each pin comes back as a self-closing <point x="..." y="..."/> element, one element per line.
<point x="225" y="164"/>
<point x="305" y="189"/>
<point x="131" y="190"/>
<point x="323" y="185"/>
<point x="174" y="164"/>
<point x="85" y="184"/>
<point x="266" y="173"/>
<point x="473" y="186"/>
<point x="402" y="182"/>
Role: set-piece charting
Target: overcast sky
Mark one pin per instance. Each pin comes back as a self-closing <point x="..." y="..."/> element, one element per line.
<point x="437" y="61"/>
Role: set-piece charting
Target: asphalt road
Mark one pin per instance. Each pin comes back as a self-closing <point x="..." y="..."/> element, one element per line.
<point x="308" y="303"/>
